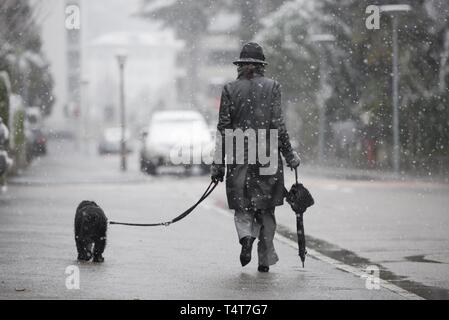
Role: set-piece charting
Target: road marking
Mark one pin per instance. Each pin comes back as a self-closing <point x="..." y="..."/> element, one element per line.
<point x="335" y="263"/>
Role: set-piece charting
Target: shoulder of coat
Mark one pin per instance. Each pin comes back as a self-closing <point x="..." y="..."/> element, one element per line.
<point x="228" y="87"/>
<point x="274" y="84"/>
<point x="231" y="83"/>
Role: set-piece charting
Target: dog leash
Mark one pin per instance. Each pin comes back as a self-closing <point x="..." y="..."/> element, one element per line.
<point x="206" y="194"/>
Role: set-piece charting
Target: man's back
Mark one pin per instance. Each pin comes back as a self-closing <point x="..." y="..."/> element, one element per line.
<point x="252" y="101"/>
<point x="250" y="112"/>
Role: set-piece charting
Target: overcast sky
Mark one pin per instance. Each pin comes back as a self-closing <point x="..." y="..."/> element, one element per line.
<point x="105" y="16"/>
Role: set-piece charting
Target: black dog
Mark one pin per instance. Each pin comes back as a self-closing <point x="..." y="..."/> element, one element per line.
<point x="90" y="231"/>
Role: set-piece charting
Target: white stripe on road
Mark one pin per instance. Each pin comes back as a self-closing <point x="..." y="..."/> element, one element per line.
<point x="345" y="267"/>
<point x="335" y="263"/>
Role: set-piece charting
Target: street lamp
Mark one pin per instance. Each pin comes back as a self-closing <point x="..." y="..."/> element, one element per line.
<point x="121" y="59"/>
<point x="322" y="39"/>
<point x="85" y="113"/>
<point x="394" y="10"/>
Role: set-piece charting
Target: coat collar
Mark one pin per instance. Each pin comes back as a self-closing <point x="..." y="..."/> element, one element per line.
<point x="250" y="71"/>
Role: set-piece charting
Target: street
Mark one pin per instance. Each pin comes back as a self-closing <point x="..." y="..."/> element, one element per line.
<point x="140" y="105"/>
<point x="197" y="258"/>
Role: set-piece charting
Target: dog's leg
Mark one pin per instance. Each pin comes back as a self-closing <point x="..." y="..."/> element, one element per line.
<point x="80" y="249"/>
<point x="100" y="245"/>
<point x="84" y="254"/>
<point x="81" y="246"/>
<point x="99" y="249"/>
<point x="89" y="249"/>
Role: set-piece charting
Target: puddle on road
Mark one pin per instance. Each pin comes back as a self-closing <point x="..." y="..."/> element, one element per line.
<point x="351" y="258"/>
<point x="421" y="258"/>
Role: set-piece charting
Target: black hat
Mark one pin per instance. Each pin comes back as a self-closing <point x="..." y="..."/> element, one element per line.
<point x="251" y="53"/>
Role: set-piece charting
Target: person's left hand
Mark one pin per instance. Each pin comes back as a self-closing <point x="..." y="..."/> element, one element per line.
<point x="293" y="161"/>
<point x="217" y="172"/>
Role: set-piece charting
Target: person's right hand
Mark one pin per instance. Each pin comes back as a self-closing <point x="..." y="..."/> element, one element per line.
<point x="217" y="172"/>
<point x="293" y="161"/>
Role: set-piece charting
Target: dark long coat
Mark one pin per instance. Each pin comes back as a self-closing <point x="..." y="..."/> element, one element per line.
<point x="253" y="103"/>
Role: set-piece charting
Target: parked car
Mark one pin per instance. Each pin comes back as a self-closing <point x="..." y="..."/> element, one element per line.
<point x="171" y="133"/>
<point x="35" y="133"/>
<point x="111" y="139"/>
<point x="37" y="142"/>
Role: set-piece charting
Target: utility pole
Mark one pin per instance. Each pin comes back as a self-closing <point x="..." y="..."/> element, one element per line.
<point x="322" y="39"/>
<point x="394" y="10"/>
<point x="396" y="138"/>
<point x="121" y="58"/>
<point x="85" y="114"/>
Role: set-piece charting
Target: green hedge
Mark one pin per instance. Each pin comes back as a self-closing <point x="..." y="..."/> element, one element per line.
<point x="4" y="102"/>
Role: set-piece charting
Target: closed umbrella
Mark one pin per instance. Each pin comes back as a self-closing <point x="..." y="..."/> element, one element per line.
<point x="300" y="199"/>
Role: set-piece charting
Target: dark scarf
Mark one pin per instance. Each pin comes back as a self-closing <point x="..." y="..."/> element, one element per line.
<point x="248" y="70"/>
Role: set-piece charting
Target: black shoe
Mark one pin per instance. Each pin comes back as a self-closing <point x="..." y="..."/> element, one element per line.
<point x="263" y="269"/>
<point x="98" y="258"/>
<point x="84" y="256"/>
<point x="247" y="247"/>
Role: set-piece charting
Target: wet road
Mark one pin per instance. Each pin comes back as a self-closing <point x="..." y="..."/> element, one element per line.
<point x="194" y="259"/>
<point x="400" y="226"/>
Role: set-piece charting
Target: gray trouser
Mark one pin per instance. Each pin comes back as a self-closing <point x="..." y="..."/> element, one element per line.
<point x="258" y="224"/>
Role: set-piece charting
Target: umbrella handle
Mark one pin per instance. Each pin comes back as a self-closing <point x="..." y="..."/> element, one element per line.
<point x="296" y="176"/>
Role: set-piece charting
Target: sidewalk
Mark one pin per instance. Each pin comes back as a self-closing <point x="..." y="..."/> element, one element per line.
<point x="366" y="174"/>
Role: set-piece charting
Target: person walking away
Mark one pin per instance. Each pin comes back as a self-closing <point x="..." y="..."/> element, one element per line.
<point x="253" y="103"/>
